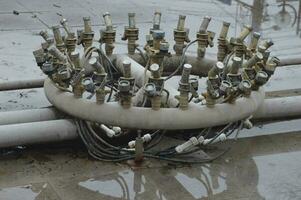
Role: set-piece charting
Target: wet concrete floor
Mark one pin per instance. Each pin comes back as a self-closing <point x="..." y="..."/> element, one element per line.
<point x="262" y="167"/>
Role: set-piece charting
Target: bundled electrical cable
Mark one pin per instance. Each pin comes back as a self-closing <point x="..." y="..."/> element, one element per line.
<point x="102" y="150"/>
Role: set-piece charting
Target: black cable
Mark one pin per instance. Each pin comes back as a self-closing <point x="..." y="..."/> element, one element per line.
<point x="182" y="61"/>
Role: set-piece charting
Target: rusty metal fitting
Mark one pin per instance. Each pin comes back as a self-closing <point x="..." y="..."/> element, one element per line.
<point x="212" y="94"/>
<point x="204" y="24"/>
<point x="234" y="79"/>
<point x="158" y="36"/>
<point x="202" y="44"/>
<point x="78" y="89"/>
<point x="216" y="69"/>
<point x="236" y="64"/>
<point x="108" y="35"/>
<point x="45" y="36"/>
<point x="271" y="65"/>
<point x="245" y="87"/>
<point x="156" y="102"/>
<point x="88" y="84"/>
<point x="70" y="43"/>
<point x="154" y="88"/>
<point x="132" y="20"/>
<point x="87" y="35"/>
<point x="39" y="56"/>
<point x="253" y="60"/>
<point x="156" y="21"/>
<point x="268" y="43"/>
<point x="180" y="35"/>
<point x="224" y="31"/>
<point x="266" y="54"/>
<point x="55" y="52"/>
<point x="244" y="33"/>
<point x="203" y="37"/>
<point x="74" y="57"/>
<point x="222" y="48"/>
<point x="99" y="78"/>
<point x="225" y="87"/>
<point x="127" y="75"/>
<point x="93" y="61"/>
<point x="63" y="22"/>
<point x="63" y="76"/>
<point x="184" y="87"/>
<point x="185" y="73"/>
<point x="131" y="33"/>
<point x="127" y="69"/>
<point x="181" y="23"/>
<point x="100" y="95"/>
<point x="254" y="41"/>
<point x="260" y="79"/>
<point x="239" y="50"/>
<point x="58" y="38"/>
<point x="70" y="40"/>
<point x="155" y="70"/>
<point x="124" y="93"/>
<point x="48" y="69"/>
<point x="108" y="21"/>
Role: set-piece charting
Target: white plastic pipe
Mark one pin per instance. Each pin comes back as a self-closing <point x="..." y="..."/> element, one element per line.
<point x="21" y="84"/>
<point x="37" y="132"/>
<point x="196" y="116"/>
<point x="31" y="115"/>
<point x="279" y="108"/>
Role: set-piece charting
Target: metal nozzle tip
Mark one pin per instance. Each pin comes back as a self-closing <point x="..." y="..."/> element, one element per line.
<point x="154" y="67"/>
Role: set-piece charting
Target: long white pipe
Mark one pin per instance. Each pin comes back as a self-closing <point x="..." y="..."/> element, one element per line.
<point x="279" y="108"/>
<point x="59" y="130"/>
<point x="37" y="132"/>
<point x="197" y="116"/>
<point x="30" y="115"/>
<point x="21" y="84"/>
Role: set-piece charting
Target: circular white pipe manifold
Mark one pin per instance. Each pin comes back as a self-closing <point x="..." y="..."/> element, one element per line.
<point x="196" y="116"/>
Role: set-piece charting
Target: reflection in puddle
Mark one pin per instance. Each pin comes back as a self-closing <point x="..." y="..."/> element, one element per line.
<point x="202" y="186"/>
<point x="194" y="183"/>
<point x="19" y="193"/>
<point x="125" y="184"/>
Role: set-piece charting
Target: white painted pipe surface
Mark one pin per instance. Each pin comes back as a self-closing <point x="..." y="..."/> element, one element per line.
<point x="30" y="115"/>
<point x="196" y="116"/>
<point x="21" y="84"/>
<point x="279" y="108"/>
<point x="37" y="132"/>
